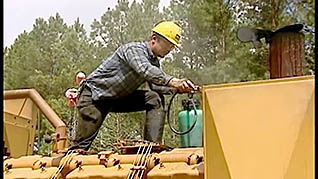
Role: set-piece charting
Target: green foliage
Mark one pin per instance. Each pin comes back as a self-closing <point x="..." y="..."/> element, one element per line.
<point x="125" y="23"/>
<point x="44" y="130"/>
<point x="118" y="126"/>
<point x="48" y="57"/>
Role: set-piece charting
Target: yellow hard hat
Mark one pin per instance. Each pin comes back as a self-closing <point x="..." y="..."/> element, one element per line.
<point x="169" y="30"/>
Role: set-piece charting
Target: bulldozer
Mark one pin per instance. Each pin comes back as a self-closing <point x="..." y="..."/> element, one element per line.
<point x="256" y="129"/>
<point x="260" y="129"/>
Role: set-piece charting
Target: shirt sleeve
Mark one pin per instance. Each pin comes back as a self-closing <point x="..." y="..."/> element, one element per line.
<point x="162" y="89"/>
<point x="137" y="59"/>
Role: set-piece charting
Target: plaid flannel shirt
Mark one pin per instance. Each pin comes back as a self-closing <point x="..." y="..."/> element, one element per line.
<point x="129" y="67"/>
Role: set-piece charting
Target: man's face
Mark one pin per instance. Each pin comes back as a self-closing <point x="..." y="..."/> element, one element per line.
<point x="162" y="46"/>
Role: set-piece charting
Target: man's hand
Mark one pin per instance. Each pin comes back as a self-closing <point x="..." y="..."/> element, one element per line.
<point x="182" y="85"/>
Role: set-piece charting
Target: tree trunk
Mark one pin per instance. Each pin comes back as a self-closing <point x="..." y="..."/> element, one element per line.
<point x="286" y="57"/>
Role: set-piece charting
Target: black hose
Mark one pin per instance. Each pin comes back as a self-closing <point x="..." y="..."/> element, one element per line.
<point x="168" y="117"/>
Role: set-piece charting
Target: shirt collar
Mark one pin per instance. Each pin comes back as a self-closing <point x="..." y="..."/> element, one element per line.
<point x="153" y="59"/>
<point x="149" y="50"/>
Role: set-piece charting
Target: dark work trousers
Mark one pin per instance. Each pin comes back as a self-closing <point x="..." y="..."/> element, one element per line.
<point x="91" y="115"/>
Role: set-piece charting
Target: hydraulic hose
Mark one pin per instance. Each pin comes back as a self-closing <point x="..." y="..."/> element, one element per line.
<point x="168" y="116"/>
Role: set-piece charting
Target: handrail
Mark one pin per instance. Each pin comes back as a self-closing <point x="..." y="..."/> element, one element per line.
<point x="53" y="118"/>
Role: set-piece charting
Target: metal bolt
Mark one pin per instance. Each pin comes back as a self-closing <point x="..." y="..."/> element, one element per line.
<point x="79" y="164"/>
<point x="8" y="166"/>
<point x="42" y="166"/>
<point x="161" y="165"/>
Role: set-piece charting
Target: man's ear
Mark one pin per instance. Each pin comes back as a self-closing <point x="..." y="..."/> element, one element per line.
<point x="153" y="38"/>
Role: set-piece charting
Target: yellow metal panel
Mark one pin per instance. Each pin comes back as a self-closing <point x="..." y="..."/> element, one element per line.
<point x="216" y="166"/>
<point x="18" y="138"/>
<point x="100" y="171"/>
<point x="29" y="173"/>
<point x="22" y="162"/>
<point x="13" y="106"/>
<point x="5" y="139"/>
<point x="28" y="110"/>
<point x="17" y="173"/>
<point x="176" y="170"/>
<point x="197" y="150"/>
<point x="16" y="120"/>
<point x="20" y="119"/>
<point x="303" y="153"/>
<point x="174" y="165"/>
<point x="43" y="174"/>
<point x="264" y="128"/>
<point x="26" y="94"/>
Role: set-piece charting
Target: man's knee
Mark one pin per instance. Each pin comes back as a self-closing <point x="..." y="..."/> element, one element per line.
<point x="90" y="113"/>
<point x="154" y="100"/>
<point x="89" y="121"/>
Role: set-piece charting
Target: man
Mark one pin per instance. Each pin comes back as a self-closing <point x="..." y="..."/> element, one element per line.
<point x="112" y="87"/>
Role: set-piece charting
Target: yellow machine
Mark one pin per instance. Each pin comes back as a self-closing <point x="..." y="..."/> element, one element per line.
<point x="20" y="112"/>
<point x="260" y="129"/>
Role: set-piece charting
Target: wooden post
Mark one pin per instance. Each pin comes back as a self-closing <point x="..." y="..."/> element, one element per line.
<point x="287" y="55"/>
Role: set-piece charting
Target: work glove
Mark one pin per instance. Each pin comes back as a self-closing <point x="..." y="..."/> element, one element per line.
<point x="71" y="94"/>
<point x="182" y="85"/>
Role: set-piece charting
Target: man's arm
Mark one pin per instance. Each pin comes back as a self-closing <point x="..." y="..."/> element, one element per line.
<point x="137" y="59"/>
<point x="162" y="89"/>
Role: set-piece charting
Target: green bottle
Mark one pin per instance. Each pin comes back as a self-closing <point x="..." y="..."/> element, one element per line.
<point x="186" y="120"/>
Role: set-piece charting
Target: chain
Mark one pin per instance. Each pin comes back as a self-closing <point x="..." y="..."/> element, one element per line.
<point x="68" y="157"/>
<point x="140" y="162"/>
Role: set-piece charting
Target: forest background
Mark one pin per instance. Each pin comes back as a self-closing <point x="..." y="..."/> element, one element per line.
<point x="48" y="57"/>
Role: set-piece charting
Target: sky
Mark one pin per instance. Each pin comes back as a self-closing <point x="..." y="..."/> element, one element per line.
<point x="20" y="15"/>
